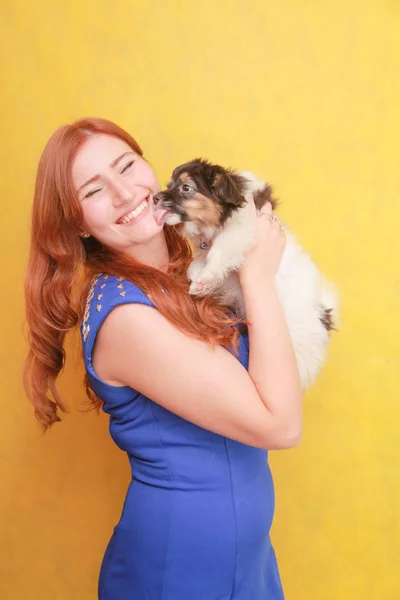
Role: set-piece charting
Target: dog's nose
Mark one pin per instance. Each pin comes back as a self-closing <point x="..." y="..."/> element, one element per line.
<point x="158" y="197"/>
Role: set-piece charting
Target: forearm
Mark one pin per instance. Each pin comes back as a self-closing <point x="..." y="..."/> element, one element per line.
<point x="272" y="362"/>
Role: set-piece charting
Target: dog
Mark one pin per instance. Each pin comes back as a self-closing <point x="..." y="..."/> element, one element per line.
<point x="212" y="202"/>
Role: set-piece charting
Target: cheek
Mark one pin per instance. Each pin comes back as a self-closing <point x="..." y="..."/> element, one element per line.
<point x="147" y="177"/>
<point x="156" y="186"/>
<point x="95" y="215"/>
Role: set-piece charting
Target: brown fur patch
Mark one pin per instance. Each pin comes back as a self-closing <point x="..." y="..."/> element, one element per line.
<point x="263" y="196"/>
<point x="184" y="177"/>
<point x="216" y="181"/>
<point x="203" y="209"/>
<point x="327" y="319"/>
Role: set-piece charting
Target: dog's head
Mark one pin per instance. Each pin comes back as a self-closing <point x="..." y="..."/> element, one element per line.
<point x="203" y="193"/>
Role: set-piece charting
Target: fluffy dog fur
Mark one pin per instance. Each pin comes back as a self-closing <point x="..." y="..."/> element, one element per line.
<point x="212" y="202"/>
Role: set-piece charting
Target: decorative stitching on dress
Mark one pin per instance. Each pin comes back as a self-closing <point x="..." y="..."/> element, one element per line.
<point x="120" y="286"/>
<point x="86" y="327"/>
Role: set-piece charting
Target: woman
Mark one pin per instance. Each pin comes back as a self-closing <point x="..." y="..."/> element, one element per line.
<point x="195" y="411"/>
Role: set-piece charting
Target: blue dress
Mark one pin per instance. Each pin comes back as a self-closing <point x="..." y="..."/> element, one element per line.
<point x="197" y="515"/>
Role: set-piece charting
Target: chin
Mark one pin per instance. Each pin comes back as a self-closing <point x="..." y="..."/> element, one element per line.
<point x="152" y="228"/>
<point x="212" y="203"/>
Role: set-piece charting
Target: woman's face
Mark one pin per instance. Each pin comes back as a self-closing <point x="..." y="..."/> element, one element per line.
<point x="115" y="187"/>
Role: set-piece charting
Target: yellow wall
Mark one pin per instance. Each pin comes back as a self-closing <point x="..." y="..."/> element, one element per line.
<point x="304" y="93"/>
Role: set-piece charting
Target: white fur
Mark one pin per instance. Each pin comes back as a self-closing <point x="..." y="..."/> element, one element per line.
<point x="303" y="291"/>
<point x="172" y="219"/>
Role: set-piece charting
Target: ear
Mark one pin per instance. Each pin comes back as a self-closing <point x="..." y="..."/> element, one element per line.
<point x="225" y="187"/>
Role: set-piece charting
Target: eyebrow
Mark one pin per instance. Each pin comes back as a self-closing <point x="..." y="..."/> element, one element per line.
<point x="97" y="177"/>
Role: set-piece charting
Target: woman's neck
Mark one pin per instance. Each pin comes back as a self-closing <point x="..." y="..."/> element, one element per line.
<point x="154" y="253"/>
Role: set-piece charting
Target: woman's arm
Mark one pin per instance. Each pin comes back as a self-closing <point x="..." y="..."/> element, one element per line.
<point x="272" y="362"/>
<point x="138" y="347"/>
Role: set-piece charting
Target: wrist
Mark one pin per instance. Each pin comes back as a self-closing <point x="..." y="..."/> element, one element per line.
<point x="258" y="285"/>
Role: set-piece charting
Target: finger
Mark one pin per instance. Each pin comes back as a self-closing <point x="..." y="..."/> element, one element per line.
<point x="267" y="208"/>
<point x="266" y="216"/>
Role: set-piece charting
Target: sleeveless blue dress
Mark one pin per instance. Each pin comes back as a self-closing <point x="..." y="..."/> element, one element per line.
<point x="196" y="519"/>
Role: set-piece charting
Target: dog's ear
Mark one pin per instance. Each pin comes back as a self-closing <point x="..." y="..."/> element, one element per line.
<point x="227" y="189"/>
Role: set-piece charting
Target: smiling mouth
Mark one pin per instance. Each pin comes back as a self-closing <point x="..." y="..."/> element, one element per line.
<point x="134" y="213"/>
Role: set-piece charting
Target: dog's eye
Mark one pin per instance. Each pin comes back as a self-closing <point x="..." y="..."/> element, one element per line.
<point x="186" y="188"/>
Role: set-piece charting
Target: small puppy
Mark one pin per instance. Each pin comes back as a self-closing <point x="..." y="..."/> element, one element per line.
<point x="212" y="202"/>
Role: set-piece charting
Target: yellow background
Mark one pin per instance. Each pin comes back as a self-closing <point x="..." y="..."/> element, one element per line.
<point x="304" y="93"/>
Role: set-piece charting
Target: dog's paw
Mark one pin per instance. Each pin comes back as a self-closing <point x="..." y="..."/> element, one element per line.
<point x="203" y="286"/>
<point x="195" y="269"/>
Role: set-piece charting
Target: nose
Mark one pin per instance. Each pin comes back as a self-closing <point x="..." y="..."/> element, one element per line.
<point x="121" y="193"/>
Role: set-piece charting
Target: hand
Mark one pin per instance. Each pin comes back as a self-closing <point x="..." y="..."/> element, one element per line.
<point x="263" y="260"/>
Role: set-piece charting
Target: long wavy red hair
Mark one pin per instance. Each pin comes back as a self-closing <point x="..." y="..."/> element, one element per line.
<point x="62" y="263"/>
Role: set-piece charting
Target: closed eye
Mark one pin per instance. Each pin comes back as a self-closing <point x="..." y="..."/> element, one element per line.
<point x="127" y="166"/>
<point x="92" y="192"/>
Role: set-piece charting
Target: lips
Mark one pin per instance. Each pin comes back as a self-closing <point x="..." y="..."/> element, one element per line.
<point x="119" y="220"/>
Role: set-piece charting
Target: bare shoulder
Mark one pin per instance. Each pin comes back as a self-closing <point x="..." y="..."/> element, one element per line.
<point x="130" y="326"/>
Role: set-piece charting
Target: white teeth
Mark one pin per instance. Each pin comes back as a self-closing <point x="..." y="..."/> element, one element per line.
<point x="139" y="209"/>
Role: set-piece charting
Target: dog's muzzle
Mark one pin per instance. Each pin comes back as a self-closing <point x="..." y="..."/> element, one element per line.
<point x="161" y="200"/>
<point x="165" y="210"/>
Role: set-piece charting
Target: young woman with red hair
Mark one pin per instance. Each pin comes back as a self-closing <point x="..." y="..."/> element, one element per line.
<point x="194" y="409"/>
